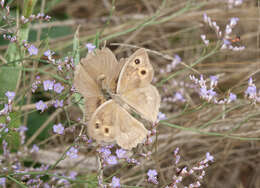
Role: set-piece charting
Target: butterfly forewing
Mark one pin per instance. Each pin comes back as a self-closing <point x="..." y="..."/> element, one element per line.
<point x="137" y="72"/>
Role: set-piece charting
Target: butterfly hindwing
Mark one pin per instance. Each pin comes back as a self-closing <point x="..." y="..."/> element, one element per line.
<point x="111" y="122"/>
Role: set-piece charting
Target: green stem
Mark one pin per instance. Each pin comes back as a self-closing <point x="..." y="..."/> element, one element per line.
<point x="16" y="181"/>
<point x="208" y="133"/>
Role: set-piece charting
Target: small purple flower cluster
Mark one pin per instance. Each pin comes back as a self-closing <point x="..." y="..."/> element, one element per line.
<point x="203" y="37"/>
<point x="91" y="47"/>
<point x="59" y="129"/>
<point x="226" y="44"/>
<point x="34" y="149"/>
<point x="7" y="8"/>
<point x="178" y="96"/>
<point x="36" y="83"/>
<point x="170" y="67"/>
<point x="115" y="182"/>
<point x="48" y="85"/>
<point x="10" y="38"/>
<point x="67" y="63"/>
<point x="72" y="153"/>
<point x="151" y="133"/>
<point x="39" y="16"/>
<point x="213" y="25"/>
<point x="49" y="54"/>
<point x="11" y="164"/>
<point x="6" y="112"/>
<point x="152" y="176"/>
<point x="40" y="105"/>
<point x="61" y="182"/>
<point x="22" y="129"/>
<point x="161" y="116"/>
<point x="108" y="159"/>
<point x="233" y="3"/>
<point x="31" y="48"/>
<point x="57" y="103"/>
<point x="209" y="94"/>
<point x="251" y="92"/>
<point x="185" y="172"/>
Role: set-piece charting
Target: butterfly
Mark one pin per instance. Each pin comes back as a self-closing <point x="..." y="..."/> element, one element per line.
<point x="109" y="87"/>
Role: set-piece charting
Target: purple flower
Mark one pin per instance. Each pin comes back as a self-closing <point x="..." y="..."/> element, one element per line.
<point x="212" y="93"/>
<point x="2" y="181"/>
<point x="203" y="37"/>
<point x="34" y="149"/>
<point x="59" y="129"/>
<point x="251" y="90"/>
<point x="72" y="153"/>
<point x="115" y="182"/>
<point x="250" y="81"/>
<point x="22" y="128"/>
<point x="176" y="61"/>
<point x="233" y="21"/>
<point x="41" y="106"/>
<point x="209" y="157"/>
<point x="120" y="153"/>
<point x="232" y="97"/>
<point x="33" y="50"/>
<point x="73" y="175"/>
<point x="152" y="176"/>
<point x="10" y="95"/>
<point x="46" y="185"/>
<point x="178" y="97"/>
<point x="58" y="103"/>
<point x="90" y="47"/>
<point x="111" y="160"/>
<point x="161" y="116"/>
<point x="2" y="4"/>
<point x="48" y="53"/>
<point x="58" y="88"/>
<point x="213" y="80"/>
<point x="48" y="85"/>
<point x="105" y="152"/>
<point x="203" y="92"/>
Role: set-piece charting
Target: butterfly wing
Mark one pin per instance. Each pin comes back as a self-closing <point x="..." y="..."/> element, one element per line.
<point x="145" y="100"/>
<point x="137" y="72"/>
<point x="102" y="64"/>
<point x="110" y="123"/>
<point x="89" y="89"/>
<point x="134" y="85"/>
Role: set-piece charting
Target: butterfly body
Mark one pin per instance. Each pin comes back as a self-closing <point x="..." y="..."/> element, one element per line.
<point x="110" y="88"/>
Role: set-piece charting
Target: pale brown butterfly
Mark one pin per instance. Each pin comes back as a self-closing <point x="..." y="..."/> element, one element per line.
<point x="130" y="81"/>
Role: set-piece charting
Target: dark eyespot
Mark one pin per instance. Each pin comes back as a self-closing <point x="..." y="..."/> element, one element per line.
<point x="137" y="61"/>
<point x="143" y="72"/>
<point x="97" y="125"/>
<point x="106" y="130"/>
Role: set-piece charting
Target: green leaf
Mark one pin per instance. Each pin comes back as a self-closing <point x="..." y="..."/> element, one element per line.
<point x="11" y="137"/>
<point x="35" y="120"/>
<point x="8" y="79"/>
<point x="97" y="41"/>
